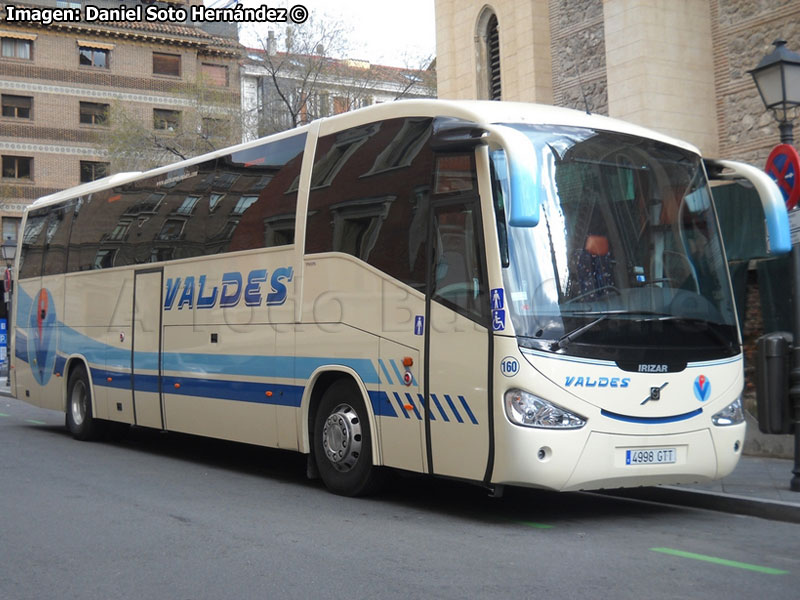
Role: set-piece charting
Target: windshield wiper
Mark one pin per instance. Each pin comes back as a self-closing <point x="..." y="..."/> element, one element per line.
<point x="709" y="326"/>
<point x="639" y="317"/>
<point x="565" y="339"/>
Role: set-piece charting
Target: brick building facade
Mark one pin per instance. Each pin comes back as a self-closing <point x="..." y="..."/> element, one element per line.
<point x="58" y="81"/>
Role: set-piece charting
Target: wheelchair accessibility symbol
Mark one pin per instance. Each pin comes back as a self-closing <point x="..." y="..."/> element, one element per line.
<point x="498" y="320"/>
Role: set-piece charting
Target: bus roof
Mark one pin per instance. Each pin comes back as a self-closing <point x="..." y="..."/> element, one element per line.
<point x="489" y="112"/>
<point x="481" y="112"/>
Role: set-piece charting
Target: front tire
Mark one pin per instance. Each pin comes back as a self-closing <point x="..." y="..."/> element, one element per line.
<point x="80" y="420"/>
<point x="343" y="441"/>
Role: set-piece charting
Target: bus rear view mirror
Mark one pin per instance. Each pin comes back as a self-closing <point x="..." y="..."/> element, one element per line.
<point x="775" y="215"/>
<point x="521" y="167"/>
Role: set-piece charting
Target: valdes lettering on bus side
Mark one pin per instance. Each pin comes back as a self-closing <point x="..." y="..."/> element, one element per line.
<point x="601" y="382"/>
<point x="191" y="292"/>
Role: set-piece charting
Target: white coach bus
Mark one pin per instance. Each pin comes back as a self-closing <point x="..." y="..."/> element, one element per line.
<point x="496" y="292"/>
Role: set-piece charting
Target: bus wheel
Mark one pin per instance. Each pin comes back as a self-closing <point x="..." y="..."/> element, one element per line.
<point x="80" y="421"/>
<point x="342" y="442"/>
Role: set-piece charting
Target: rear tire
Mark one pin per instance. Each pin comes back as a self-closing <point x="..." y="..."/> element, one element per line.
<point x="343" y="442"/>
<point x="80" y="420"/>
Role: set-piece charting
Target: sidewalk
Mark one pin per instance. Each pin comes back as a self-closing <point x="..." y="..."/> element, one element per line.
<point x="758" y="487"/>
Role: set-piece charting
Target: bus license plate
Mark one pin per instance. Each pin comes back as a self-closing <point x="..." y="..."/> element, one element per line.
<point x="650" y="456"/>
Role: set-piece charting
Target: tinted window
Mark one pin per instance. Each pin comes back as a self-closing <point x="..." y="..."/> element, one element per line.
<point x="458" y="274"/>
<point x="255" y="198"/>
<point x="370" y="194"/>
<point x="30" y="264"/>
<point x="245" y="200"/>
<point x="56" y="238"/>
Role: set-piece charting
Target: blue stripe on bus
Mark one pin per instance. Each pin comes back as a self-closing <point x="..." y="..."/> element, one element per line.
<point x="402" y="406"/>
<point x="300" y="367"/>
<point x="243" y="391"/>
<point x="396" y="371"/>
<point x="117" y="374"/>
<point x="651" y="420"/>
<point x="381" y="405"/>
<point x="413" y="406"/>
<point x="453" y="408"/>
<point x="469" y="412"/>
<point x="425" y="405"/>
<point x="385" y="371"/>
<point x="439" y="406"/>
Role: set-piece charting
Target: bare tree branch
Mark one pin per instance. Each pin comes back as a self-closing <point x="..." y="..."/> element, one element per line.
<point x="206" y="119"/>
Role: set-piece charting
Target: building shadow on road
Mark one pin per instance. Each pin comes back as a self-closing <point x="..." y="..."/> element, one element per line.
<point x="454" y="499"/>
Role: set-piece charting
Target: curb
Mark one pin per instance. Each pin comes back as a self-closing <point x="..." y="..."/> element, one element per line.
<point x="773" y="510"/>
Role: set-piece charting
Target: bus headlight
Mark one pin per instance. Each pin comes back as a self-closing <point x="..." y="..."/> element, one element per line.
<point x="523" y="408"/>
<point x="730" y="415"/>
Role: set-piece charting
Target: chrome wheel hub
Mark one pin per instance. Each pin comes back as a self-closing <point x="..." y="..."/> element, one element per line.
<point x="341" y="437"/>
<point x="77" y="405"/>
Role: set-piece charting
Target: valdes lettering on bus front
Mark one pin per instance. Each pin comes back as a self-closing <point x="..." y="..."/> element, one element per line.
<point x="190" y="292"/>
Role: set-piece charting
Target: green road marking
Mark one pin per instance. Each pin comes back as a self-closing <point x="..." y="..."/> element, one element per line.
<point x="721" y="561"/>
<point x="35" y="422"/>
<point x="535" y="525"/>
<point x="4" y="415"/>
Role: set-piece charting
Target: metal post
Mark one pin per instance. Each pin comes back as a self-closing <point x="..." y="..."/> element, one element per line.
<point x="787" y="136"/>
<point x="794" y="376"/>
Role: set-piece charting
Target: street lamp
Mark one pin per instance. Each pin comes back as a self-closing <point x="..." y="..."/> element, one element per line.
<point x="777" y="78"/>
<point x="9" y="250"/>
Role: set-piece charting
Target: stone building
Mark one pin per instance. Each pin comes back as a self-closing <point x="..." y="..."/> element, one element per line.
<point x="677" y="66"/>
<point x="58" y="80"/>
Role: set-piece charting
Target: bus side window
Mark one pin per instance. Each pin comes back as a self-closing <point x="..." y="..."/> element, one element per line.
<point x="372" y="196"/>
<point x="56" y="242"/>
<point x="259" y="211"/>
<point x="173" y="226"/>
<point x="30" y="264"/>
<point x="90" y="246"/>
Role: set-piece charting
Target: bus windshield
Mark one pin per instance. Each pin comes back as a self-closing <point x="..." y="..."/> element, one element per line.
<point x="626" y="262"/>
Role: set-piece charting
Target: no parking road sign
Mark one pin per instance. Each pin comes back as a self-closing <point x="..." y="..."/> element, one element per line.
<point x="783" y="165"/>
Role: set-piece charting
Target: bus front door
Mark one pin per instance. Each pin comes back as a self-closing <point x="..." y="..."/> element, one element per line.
<point x="146" y="354"/>
<point x="458" y="340"/>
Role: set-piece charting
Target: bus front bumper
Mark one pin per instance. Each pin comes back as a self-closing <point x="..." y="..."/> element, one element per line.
<point x="573" y="460"/>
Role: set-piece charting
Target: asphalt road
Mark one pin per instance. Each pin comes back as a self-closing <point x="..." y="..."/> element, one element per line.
<point x="171" y="516"/>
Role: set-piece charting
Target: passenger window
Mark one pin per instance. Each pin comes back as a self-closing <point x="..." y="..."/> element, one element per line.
<point x="56" y="238"/>
<point x="33" y="237"/>
<point x="172" y="223"/>
<point x="259" y="210"/>
<point x="370" y="196"/>
<point x="92" y="217"/>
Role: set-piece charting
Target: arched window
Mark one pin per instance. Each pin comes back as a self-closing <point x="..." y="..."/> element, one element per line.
<point x="488" y="54"/>
<point x="493" y="58"/>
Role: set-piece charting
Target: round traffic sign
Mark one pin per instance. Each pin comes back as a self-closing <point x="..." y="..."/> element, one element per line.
<point x="783" y="165"/>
